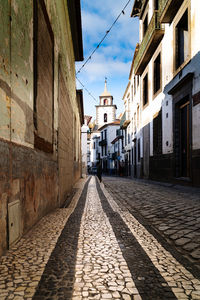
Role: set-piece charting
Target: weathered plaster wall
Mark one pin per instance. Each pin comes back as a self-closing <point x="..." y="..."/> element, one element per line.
<point x="21" y="52"/>
<point x="5" y="101"/>
<point x="71" y="169"/>
<point x="4" y="193"/>
<point x="26" y="174"/>
<point x="65" y="144"/>
<point x="36" y="181"/>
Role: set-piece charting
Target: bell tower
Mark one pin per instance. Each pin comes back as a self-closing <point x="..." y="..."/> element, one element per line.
<point x="105" y="111"/>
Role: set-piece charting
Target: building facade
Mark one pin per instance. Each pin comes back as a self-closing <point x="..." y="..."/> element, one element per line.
<point x="165" y="73"/>
<point x="84" y="141"/>
<point x="105" y="139"/>
<point x="108" y="133"/>
<point x="41" y="111"/>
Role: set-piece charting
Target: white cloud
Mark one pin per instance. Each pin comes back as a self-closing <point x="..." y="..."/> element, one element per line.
<point x="109" y="68"/>
<point x="93" y="25"/>
<point x="113" y="58"/>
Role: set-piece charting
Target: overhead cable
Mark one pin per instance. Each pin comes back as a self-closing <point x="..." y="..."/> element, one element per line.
<point x="107" y="32"/>
<point x="86" y="90"/>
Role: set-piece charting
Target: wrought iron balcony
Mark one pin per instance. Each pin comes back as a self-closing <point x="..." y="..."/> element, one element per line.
<point x="103" y="143"/>
<point x="151" y="40"/>
<point x="168" y="9"/>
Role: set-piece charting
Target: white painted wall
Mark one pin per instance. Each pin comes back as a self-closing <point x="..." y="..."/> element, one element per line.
<point x="109" y="110"/>
<point x="95" y="137"/>
<point x="84" y="130"/>
<point x="111" y="135"/>
<point x="164" y="100"/>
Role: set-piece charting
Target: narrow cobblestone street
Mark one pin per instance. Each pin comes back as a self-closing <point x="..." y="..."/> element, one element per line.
<point x="121" y="239"/>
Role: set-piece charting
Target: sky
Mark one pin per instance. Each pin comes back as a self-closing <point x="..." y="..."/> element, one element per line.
<point x="113" y="58"/>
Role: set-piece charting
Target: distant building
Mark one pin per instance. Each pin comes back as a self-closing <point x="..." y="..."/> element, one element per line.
<point x="84" y="142"/>
<point x="103" y="132"/>
<point x="108" y="133"/>
<point x="118" y="151"/>
<point x="106" y="110"/>
<point x="94" y="146"/>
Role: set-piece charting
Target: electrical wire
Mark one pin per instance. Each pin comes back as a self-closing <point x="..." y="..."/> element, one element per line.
<point x="107" y="32"/>
<point x="86" y="90"/>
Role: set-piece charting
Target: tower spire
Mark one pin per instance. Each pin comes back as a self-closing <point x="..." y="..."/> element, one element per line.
<point x="105" y="89"/>
<point x="105" y="93"/>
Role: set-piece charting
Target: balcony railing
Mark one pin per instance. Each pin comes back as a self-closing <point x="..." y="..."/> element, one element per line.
<point x="149" y="43"/>
<point x="168" y="9"/>
<point x="103" y="143"/>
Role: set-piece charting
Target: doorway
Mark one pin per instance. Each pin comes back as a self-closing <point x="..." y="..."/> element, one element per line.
<point x="135" y="160"/>
<point x="182" y="126"/>
<point x="184" y="140"/>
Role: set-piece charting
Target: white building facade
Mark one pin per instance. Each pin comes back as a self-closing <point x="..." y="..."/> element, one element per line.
<point x="85" y="144"/>
<point x="108" y="134"/>
<point x="164" y="92"/>
<point x="105" y="139"/>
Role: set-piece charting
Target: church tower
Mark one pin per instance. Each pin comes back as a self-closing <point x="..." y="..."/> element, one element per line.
<point x="105" y="111"/>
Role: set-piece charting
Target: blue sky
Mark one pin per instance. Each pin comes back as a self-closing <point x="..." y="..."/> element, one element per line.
<point x="114" y="56"/>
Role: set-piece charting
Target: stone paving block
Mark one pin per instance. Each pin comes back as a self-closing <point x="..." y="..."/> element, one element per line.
<point x="127" y="218"/>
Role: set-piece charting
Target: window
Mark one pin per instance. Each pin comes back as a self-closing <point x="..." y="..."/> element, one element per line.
<point x="138" y="117"/>
<point x="105" y="134"/>
<point x="129" y="138"/>
<point x="102" y="136"/>
<point x="182" y="40"/>
<point x="102" y="151"/>
<point x="105" y="101"/>
<point x="43" y="79"/>
<point x="132" y="162"/>
<point x="138" y="150"/>
<point x="132" y="93"/>
<point x="157" y="74"/>
<point x="145" y="90"/>
<point x="145" y="25"/>
<point x="135" y="122"/>
<point x="156" y="4"/>
<point x="132" y="123"/>
<point x="157" y="134"/>
<point x="128" y="109"/>
<point x="134" y="85"/>
<point x="137" y="81"/>
<point x="105" y="117"/>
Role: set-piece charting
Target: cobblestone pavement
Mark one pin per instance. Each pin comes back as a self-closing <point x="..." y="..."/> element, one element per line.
<point x="101" y="270"/>
<point x="112" y="243"/>
<point x="22" y="266"/>
<point x="172" y="215"/>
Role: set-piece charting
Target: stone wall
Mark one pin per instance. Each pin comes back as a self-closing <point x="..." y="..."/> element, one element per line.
<point x="31" y="177"/>
<point x="37" y="166"/>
